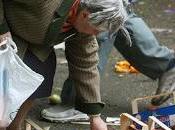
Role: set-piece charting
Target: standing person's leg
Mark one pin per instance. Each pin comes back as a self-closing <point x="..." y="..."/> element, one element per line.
<point x="147" y="55"/>
<point x="105" y="46"/>
<point x="47" y="69"/>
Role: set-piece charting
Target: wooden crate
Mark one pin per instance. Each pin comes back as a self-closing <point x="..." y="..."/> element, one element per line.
<point x="30" y="125"/>
<point x="127" y="122"/>
<point x="152" y="120"/>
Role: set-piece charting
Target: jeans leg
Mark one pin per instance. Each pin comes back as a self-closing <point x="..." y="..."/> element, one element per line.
<point x="105" y="47"/>
<point x="145" y="54"/>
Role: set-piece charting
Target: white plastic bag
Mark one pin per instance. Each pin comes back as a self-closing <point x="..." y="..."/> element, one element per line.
<point x="17" y="81"/>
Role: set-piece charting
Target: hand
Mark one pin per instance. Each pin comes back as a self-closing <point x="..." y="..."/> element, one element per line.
<point x="83" y="25"/>
<point x="152" y="107"/>
<point x="4" y="36"/>
<point x="96" y="123"/>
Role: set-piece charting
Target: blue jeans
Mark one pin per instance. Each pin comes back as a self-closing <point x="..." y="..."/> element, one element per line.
<point x="105" y="46"/>
<point x="145" y="53"/>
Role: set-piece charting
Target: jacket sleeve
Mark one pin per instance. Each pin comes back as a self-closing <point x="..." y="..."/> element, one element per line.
<point x="81" y="53"/>
<point x="3" y="24"/>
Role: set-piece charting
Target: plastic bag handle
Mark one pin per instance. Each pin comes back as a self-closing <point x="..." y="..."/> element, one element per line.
<point x="3" y="43"/>
<point x="12" y="44"/>
<point x="9" y="44"/>
<point x="4" y="50"/>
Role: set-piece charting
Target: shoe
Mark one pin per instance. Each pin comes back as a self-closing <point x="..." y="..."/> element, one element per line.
<point x="166" y="85"/>
<point x="63" y="114"/>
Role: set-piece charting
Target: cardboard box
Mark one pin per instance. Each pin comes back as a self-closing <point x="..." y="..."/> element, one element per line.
<point x="166" y="115"/>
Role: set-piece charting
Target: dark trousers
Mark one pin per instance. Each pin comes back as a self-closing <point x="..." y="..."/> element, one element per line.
<point x="46" y="69"/>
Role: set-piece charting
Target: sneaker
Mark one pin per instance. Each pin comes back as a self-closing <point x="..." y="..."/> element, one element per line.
<point x="63" y="114"/>
<point x="166" y="85"/>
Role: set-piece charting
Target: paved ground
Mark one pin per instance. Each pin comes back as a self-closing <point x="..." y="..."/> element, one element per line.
<point x="118" y="91"/>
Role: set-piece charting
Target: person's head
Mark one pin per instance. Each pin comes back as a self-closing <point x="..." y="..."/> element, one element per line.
<point x="100" y="15"/>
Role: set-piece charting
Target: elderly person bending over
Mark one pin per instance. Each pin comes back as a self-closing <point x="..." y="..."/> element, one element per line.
<point x="36" y="25"/>
<point x="95" y="16"/>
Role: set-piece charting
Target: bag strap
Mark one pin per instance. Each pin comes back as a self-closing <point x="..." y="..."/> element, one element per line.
<point x="12" y="45"/>
<point x="55" y="26"/>
<point x="5" y="48"/>
<point x="3" y="42"/>
<point x="8" y="43"/>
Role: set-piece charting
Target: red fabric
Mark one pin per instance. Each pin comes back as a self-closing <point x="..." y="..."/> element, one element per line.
<point x="71" y="17"/>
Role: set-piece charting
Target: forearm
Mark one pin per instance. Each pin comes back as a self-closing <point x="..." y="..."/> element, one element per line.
<point x="81" y="52"/>
<point x="3" y="24"/>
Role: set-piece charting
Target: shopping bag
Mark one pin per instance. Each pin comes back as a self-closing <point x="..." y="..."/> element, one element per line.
<point x="17" y="82"/>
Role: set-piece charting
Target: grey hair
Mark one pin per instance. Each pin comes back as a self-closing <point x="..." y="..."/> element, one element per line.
<point x="106" y="14"/>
